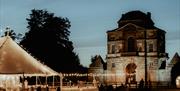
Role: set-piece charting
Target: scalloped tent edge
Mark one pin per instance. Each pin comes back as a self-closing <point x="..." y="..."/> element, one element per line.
<point x="14" y="60"/>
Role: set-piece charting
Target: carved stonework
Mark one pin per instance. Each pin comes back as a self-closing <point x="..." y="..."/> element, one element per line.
<point x="126" y="50"/>
<point x="127" y="46"/>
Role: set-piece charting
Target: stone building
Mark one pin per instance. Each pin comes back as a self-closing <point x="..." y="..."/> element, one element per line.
<point x="174" y="72"/>
<point x="175" y="59"/>
<point x="97" y="67"/>
<point x="126" y="49"/>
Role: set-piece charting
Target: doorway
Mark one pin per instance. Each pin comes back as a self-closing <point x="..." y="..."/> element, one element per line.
<point x="131" y="73"/>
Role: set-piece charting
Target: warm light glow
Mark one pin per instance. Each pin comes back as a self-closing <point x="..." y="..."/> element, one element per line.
<point x="8" y="81"/>
<point x="178" y="82"/>
<point x="81" y="75"/>
<point x="79" y="88"/>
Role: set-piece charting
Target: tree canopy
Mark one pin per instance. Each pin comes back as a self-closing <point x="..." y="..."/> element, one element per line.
<point x="12" y="34"/>
<point x="48" y="40"/>
<point x="175" y="72"/>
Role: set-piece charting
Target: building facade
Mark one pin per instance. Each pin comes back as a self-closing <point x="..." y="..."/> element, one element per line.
<point x="98" y="68"/>
<point x="126" y="48"/>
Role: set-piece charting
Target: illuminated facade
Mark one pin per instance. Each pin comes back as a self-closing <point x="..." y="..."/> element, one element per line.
<point x="126" y="50"/>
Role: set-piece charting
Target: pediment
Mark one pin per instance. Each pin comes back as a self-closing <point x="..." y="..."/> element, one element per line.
<point x="130" y="27"/>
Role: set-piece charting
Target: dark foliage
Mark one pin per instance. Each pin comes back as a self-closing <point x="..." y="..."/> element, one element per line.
<point x="12" y="34"/>
<point x="47" y="40"/>
<point x="175" y="72"/>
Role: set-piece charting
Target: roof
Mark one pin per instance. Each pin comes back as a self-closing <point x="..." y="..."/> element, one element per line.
<point x="128" y="24"/>
<point x="98" y="62"/>
<point x="138" y="18"/>
<point x="175" y="59"/>
<point x="136" y="26"/>
<point x="15" y="60"/>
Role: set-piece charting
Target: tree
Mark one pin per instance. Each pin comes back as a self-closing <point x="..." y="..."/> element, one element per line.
<point x="47" y="40"/>
<point x="12" y="34"/>
<point x="175" y="72"/>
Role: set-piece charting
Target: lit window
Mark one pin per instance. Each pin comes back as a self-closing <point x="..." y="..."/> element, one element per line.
<point x="139" y="47"/>
<point x="120" y="47"/>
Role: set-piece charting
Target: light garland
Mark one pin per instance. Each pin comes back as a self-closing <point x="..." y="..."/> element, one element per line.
<point x="90" y="74"/>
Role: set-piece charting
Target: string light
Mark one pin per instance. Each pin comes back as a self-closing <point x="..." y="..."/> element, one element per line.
<point x="90" y="74"/>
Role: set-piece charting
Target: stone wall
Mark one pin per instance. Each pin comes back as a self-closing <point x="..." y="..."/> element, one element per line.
<point x="116" y="69"/>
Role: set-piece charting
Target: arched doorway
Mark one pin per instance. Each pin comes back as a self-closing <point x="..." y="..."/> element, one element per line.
<point x="131" y="73"/>
<point x="131" y="44"/>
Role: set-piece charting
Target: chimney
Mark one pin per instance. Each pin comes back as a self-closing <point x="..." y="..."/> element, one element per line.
<point x="149" y="14"/>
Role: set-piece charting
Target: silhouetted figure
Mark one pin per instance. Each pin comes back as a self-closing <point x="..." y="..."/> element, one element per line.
<point x="121" y="88"/>
<point x="101" y="88"/>
<point x="38" y="88"/>
<point x="47" y="88"/>
<point x="58" y="89"/>
<point x="141" y="83"/>
<point x="110" y="88"/>
<point x="149" y="84"/>
<point x="122" y="85"/>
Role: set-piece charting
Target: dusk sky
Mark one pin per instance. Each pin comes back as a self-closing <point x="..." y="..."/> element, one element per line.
<point x="90" y="19"/>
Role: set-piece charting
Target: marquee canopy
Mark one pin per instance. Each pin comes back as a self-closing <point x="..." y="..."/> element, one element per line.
<point x="16" y="61"/>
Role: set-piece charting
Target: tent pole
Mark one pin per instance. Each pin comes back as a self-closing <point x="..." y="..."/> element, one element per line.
<point x="53" y="81"/>
<point x="36" y="81"/>
<point x="61" y="81"/>
<point x="46" y="81"/>
<point x="6" y="84"/>
<point x="23" y="85"/>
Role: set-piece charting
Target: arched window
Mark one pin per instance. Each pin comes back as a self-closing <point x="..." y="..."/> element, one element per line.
<point x="113" y="49"/>
<point x="131" y="44"/>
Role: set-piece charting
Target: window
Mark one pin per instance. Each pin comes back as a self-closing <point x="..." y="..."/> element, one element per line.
<point x="113" y="49"/>
<point x="150" y="48"/>
<point x="131" y="44"/>
<point x="139" y="49"/>
<point x="109" y="48"/>
<point x="111" y="37"/>
<point x="113" y="65"/>
<point x="120" y="48"/>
